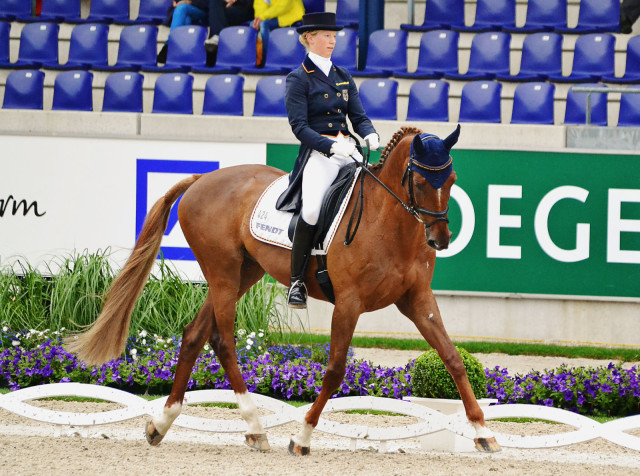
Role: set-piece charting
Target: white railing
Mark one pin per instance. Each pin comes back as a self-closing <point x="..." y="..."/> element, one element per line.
<point x="431" y="421"/>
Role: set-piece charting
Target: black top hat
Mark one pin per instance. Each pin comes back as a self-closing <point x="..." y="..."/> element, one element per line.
<point x="319" y="21"/>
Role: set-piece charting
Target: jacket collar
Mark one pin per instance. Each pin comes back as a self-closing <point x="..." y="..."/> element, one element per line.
<point x="310" y="68"/>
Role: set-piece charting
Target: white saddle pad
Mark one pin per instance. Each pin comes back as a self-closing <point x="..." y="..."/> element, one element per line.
<point x="271" y="226"/>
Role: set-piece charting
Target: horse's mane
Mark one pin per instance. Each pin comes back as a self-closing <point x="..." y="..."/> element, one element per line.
<point x="395" y="140"/>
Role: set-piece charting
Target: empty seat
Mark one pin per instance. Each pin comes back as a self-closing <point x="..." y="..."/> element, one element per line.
<point x="489" y="56"/>
<point x="152" y="12"/>
<point x="88" y="47"/>
<point x="632" y="69"/>
<point x="543" y="15"/>
<point x="137" y="47"/>
<point x="236" y="50"/>
<point x="223" y="95"/>
<point x="438" y="54"/>
<point x="629" y="115"/>
<point x="5" y="29"/>
<point x="344" y="53"/>
<point x="10" y="9"/>
<point x="576" y="107"/>
<point x="541" y="57"/>
<point x="57" y="11"/>
<point x="284" y="53"/>
<point x="314" y="6"/>
<point x="593" y="57"/>
<point x="533" y="103"/>
<point x="123" y="92"/>
<point x="269" y="98"/>
<point x="596" y="16"/>
<point x="440" y="14"/>
<point x="38" y="45"/>
<point x="106" y="11"/>
<point x="24" y="89"/>
<point x="379" y="98"/>
<point x="429" y="101"/>
<point x="386" y="54"/>
<point x="72" y="91"/>
<point x="480" y="102"/>
<point x="348" y="13"/>
<point x="185" y="50"/>
<point x="173" y="94"/>
<point x="492" y="15"/>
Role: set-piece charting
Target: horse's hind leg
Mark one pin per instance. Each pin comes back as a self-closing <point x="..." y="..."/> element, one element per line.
<point x="194" y="336"/>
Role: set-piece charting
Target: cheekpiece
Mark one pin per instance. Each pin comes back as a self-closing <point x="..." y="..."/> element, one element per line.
<point x="430" y="157"/>
<point x="319" y="21"/>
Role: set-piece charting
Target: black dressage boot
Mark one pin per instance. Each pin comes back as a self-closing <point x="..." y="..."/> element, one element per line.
<point x="300" y="253"/>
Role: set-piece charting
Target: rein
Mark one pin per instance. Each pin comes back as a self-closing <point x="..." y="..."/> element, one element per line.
<point x="413" y="209"/>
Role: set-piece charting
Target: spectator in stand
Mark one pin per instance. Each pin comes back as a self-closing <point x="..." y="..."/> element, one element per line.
<point x="629" y="13"/>
<point x="272" y="14"/>
<point x="224" y="13"/>
<point x="181" y="13"/>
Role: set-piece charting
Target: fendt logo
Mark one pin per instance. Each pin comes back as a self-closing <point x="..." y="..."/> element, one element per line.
<point x="153" y="179"/>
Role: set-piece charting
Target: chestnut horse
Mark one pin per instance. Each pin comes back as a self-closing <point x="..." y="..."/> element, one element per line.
<point x="391" y="261"/>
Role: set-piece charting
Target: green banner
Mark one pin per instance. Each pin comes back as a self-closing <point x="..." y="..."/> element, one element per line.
<point x="537" y="223"/>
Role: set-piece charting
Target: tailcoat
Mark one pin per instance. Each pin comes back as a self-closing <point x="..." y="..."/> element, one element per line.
<point x="318" y="107"/>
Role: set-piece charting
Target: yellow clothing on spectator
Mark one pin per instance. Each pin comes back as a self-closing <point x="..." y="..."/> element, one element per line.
<point x="287" y="11"/>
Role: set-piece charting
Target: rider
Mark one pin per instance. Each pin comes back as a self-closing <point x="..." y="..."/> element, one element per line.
<point x="319" y="97"/>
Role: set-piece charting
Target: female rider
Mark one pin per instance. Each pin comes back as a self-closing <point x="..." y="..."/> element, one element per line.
<point x="319" y="97"/>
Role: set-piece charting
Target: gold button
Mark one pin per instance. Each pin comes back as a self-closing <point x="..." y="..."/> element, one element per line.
<point x="339" y="110"/>
<point x="330" y="124"/>
<point x="339" y="94"/>
<point x="342" y="125"/>
<point x="326" y="95"/>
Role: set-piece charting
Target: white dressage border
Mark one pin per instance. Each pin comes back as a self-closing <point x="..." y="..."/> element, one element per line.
<point x="431" y="421"/>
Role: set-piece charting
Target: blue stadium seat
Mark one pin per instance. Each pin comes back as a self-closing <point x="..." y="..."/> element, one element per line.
<point x="72" y="91"/>
<point x="488" y="57"/>
<point x="284" y="53"/>
<point x="38" y="45"/>
<point x="541" y="57"/>
<point x="5" y="29"/>
<point x="152" y="12"/>
<point x="629" y="115"/>
<point x="314" y="6"/>
<point x="57" y="11"/>
<point x="269" y="99"/>
<point x="348" y="13"/>
<point x="543" y="15"/>
<point x="386" y="54"/>
<point x="10" y="9"/>
<point x="632" y="69"/>
<point x="344" y="53"/>
<point x="137" y="47"/>
<point x="438" y="54"/>
<point x="492" y="15"/>
<point x="533" y="103"/>
<point x="105" y="11"/>
<point x="87" y="47"/>
<point x="123" y="92"/>
<point x="186" y="50"/>
<point x="429" y="101"/>
<point x="596" y="16"/>
<point x="236" y="50"/>
<point x="576" y="107"/>
<point x="24" y="89"/>
<point x="223" y="95"/>
<point x="173" y="94"/>
<point x="379" y="98"/>
<point x="480" y="102"/>
<point x="593" y="57"/>
<point x="440" y="14"/>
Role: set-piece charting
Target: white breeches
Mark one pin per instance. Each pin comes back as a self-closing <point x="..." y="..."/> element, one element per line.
<point x="317" y="177"/>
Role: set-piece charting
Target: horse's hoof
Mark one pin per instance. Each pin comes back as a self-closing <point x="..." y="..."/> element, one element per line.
<point x="257" y="442"/>
<point x="487" y="445"/>
<point x="153" y="437"/>
<point x="297" y="450"/>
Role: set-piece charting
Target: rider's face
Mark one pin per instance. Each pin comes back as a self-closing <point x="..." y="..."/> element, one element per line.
<point x="322" y="43"/>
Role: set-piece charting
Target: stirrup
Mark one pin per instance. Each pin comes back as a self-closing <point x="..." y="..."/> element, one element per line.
<point x="297" y="295"/>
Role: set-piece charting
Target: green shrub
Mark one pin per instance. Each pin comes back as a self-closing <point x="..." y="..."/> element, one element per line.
<point x="430" y="378"/>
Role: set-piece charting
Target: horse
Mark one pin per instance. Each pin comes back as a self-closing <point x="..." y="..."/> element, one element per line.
<point x="390" y="261"/>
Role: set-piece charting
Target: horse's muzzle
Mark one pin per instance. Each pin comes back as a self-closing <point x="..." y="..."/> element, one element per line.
<point x="439" y="241"/>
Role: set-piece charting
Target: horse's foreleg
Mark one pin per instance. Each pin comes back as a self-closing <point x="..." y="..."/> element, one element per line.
<point x="194" y="336"/>
<point x="342" y="326"/>
<point x="423" y="312"/>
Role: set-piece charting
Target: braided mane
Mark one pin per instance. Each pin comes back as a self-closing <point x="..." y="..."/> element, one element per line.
<point x="397" y="137"/>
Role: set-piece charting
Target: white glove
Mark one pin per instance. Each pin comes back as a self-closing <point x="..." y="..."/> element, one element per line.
<point x="374" y="141"/>
<point x="345" y="149"/>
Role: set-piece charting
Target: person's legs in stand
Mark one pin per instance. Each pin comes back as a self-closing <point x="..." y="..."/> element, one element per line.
<point x="221" y="16"/>
<point x="184" y="14"/>
<point x="265" y="30"/>
<point x="629" y="13"/>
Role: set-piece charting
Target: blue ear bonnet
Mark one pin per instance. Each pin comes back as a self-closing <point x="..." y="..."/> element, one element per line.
<point x="430" y="157"/>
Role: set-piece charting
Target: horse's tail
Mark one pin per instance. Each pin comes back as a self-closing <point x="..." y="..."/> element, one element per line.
<point x="106" y="338"/>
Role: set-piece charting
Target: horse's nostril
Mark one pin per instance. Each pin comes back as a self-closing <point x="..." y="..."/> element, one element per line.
<point x="433" y="244"/>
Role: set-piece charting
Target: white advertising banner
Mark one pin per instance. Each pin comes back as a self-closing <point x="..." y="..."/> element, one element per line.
<point x="64" y="195"/>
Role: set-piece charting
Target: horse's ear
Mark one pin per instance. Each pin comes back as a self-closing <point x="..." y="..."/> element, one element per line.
<point x="418" y="146"/>
<point x="450" y="141"/>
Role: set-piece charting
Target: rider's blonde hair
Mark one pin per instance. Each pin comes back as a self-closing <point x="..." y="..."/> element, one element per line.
<point x="303" y="37"/>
